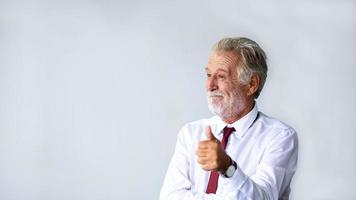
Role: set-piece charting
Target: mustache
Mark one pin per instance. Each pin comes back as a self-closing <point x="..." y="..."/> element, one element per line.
<point x="215" y="94"/>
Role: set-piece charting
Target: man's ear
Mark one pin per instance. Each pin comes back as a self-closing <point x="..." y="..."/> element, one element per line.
<point x="254" y="84"/>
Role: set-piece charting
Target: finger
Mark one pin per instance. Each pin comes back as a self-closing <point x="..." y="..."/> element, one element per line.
<point x="202" y="153"/>
<point x="203" y="160"/>
<point x="203" y="144"/>
<point x="206" y="167"/>
<point x="208" y="144"/>
<point x="209" y="134"/>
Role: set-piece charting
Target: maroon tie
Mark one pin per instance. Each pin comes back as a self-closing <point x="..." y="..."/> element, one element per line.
<point x="214" y="176"/>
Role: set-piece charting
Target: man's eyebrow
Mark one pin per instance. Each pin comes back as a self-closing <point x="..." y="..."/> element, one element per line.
<point x="224" y="70"/>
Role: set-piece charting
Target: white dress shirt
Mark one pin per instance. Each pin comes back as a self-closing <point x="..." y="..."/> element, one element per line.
<point x="265" y="150"/>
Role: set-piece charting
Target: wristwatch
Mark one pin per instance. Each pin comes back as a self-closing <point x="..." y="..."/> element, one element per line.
<point x="230" y="170"/>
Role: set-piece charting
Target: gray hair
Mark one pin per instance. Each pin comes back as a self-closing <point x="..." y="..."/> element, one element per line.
<point x="253" y="59"/>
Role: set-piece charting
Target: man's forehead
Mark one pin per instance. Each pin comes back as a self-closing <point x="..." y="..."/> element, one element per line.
<point x="223" y="60"/>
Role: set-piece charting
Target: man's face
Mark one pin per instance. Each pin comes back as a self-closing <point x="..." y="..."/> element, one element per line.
<point x="227" y="98"/>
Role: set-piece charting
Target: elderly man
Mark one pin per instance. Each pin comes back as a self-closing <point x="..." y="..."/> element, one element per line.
<point x="240" y="153"/>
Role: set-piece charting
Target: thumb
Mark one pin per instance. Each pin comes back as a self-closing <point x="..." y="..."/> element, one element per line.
<point x="209" y="134"/>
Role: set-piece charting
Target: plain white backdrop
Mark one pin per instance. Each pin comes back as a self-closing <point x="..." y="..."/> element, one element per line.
<point x="93" y="93"/>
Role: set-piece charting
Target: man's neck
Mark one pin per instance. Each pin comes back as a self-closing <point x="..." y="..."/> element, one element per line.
<point x="239" y="115"/>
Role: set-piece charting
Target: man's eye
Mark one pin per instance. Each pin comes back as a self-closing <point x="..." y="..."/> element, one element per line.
<point x="221" y="77"/>
<point x="208" y="75"/>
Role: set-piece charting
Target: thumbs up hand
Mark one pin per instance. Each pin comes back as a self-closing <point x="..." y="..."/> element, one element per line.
<point x="210" y="154"/>
<point x="209" y="134"/>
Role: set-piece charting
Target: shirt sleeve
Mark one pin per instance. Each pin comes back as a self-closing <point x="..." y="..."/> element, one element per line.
<point x="274" y="172"/>
<point x="177" y="185"/>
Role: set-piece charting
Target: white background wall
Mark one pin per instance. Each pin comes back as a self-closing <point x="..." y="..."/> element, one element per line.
<point x="93" y="93"/>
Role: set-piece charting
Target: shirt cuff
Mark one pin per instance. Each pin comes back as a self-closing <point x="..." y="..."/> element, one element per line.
<point x="233" y="183"/>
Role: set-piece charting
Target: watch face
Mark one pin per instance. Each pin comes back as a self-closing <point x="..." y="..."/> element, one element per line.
<point x="230" y="171"/>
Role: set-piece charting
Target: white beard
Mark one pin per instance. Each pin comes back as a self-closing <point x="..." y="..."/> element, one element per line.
<point x="226" y="107"/>
<point x="218" y="108"/>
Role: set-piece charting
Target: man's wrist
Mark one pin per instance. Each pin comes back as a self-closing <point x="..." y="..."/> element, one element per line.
<point x="230" y="169"/>
<point x="225" y="164"/>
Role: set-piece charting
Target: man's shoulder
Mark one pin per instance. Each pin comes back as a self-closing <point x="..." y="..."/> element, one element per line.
<point x="273" y="124"/>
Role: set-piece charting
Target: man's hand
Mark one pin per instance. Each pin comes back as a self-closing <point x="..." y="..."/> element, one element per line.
<point x="211" y="155"/>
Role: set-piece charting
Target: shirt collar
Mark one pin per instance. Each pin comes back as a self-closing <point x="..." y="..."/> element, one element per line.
<point x="240" y="125"/>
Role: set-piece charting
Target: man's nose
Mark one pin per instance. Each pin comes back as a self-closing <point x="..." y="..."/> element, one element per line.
<point x="212" y="84"/>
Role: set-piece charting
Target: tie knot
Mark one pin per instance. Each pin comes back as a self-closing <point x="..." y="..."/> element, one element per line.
<point x="228" y="131"/>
